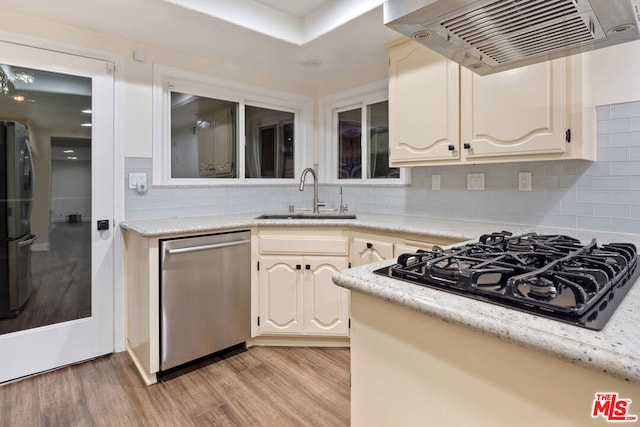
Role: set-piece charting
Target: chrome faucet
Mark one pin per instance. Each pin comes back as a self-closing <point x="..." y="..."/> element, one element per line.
<point x="316" y="202"/>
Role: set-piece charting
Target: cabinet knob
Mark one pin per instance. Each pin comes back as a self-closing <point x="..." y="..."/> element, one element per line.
<point x="307" y="267"/>
<point x="452" y="147"/>
<point x="369" y="245"/>
<point x="298" y="267"/>
<point x="466" y="145"/>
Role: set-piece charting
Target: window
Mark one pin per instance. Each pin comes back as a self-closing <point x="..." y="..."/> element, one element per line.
<point x="358" y="127"/>
<point x="269" y="143"/>
<point x="350" y="143"/>
<point x="204" y="137"/>
<point x="211" y="132"/>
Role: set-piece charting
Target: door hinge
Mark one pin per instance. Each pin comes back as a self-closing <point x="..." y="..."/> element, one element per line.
<point x="258" y="320"/>
<point x="258" y="265"/>
<point x="567" y="135"/>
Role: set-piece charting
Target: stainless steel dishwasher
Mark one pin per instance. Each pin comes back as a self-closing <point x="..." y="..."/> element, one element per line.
<point x="205" y="295"/>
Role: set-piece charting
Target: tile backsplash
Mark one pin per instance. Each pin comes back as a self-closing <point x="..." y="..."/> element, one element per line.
<point x="602" y="195"/>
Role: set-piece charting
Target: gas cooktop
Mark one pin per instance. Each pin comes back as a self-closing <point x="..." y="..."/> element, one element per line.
<point x="553" y="276"/>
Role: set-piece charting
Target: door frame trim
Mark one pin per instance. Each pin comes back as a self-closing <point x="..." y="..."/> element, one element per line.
<point x="118" y="157"/>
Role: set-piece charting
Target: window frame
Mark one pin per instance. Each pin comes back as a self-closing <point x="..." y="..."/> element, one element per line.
<point x="329" y="107"/>
<point x="169" y="79"/>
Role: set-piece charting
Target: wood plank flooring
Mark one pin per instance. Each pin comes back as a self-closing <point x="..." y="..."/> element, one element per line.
<point x="261" y="386"/>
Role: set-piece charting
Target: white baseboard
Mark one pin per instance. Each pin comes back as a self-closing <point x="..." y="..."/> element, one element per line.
<point x="40" y="247"/>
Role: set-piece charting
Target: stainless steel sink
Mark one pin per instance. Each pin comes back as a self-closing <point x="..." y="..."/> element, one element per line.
<point x="307" y="216"/>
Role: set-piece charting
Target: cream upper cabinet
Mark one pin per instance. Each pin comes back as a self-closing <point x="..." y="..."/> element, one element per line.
<point x="521" y="111"/>
<point x="423" y="105"/>
<point x="539" y="112"/>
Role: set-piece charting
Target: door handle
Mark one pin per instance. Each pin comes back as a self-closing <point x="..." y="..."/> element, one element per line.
<point x="206" y="247"/>
<point x="29" y="241"/>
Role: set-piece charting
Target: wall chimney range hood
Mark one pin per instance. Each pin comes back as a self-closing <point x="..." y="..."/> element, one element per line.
<point x="488" y="36"/>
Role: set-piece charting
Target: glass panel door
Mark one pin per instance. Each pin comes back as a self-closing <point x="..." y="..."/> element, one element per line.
<point x="56" y="268"/>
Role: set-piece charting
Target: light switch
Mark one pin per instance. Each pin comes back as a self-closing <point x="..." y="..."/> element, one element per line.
<point x="136" y="178"/>
<point x="435" y="182"/>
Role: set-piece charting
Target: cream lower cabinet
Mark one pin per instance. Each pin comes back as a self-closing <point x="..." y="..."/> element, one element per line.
<point x="365" y="250"/>
<point x="297" y="295"/>
<point x="441" y="113"/>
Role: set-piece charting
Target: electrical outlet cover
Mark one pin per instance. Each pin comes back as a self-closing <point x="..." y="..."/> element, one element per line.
<point x="524" y="181"/>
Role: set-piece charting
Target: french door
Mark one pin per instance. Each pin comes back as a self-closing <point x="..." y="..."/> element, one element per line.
<point x="64" y="103"/>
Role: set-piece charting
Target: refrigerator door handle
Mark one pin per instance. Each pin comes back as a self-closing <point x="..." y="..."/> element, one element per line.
<point x="29" y="241"/>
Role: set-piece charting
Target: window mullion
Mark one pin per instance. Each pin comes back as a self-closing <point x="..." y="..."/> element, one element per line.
<point x="364" y="143"/>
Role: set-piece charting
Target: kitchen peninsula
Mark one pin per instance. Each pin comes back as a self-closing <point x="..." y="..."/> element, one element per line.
<point x="419" y="353"/>
<point x="422" y="354"/>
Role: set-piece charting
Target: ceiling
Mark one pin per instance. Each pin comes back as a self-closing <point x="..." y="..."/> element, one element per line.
<point x="346" y="37"/>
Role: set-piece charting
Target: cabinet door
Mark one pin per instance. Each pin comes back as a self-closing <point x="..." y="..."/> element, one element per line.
<point x="516" y="112"/>
<point x="366" y="251"/>
<point x="326" y="305"/>
<point x="404" y="248"/>
<point x="281" y="295"/>
<point x="423" y="105"/>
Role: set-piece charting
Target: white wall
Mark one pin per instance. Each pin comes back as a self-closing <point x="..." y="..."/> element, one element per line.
<point x="70" y="189"/>
<point x="616" y="73"/>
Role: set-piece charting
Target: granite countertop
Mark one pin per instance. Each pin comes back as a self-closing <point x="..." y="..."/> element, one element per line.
<point x="614" y="350"/>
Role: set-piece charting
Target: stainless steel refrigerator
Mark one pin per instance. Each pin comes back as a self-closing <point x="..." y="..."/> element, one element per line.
<point x="16" y="200"/>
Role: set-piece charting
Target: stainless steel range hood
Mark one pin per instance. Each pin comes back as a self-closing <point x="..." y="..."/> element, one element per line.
<point x="488" y="36"/>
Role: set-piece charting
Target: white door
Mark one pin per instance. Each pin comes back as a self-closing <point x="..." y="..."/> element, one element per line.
<point x="71" y="194"/>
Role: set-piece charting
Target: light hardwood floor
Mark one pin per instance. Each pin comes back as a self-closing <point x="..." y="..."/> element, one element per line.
<point x="262" y="386"/>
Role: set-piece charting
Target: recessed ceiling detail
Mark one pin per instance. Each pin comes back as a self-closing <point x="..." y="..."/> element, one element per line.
<point x="293" y="21"/>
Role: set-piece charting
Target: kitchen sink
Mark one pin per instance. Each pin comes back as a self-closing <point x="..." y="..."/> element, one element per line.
<point x="307" y="216"/>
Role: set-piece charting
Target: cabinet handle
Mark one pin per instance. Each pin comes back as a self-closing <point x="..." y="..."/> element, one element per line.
<point x="308" y="267"/>
<point x="466" y="145"/>
<point x="298" y="267"/>
<point x="369" y="245"/>
<point x="452" y="147"/>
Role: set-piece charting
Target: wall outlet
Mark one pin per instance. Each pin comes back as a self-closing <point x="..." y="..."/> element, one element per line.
<point x="475" y="181"/>
<point x="524" y="181"/>
<point x="137" y="178"/>
<point x="435" y="182"/>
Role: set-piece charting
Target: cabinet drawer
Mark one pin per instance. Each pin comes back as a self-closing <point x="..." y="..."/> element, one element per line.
<point x="304" y="245"/>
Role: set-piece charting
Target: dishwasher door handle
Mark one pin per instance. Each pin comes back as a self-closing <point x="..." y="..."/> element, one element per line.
<point x="206" y="247"/>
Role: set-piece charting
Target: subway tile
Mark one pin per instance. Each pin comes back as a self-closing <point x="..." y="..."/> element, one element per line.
<point x="626" y="168"/>
<point x="576" y="208"/>
<point x="603" y="112"/>
<point x="634" y="212"/>
<point x="611" y="211"/>
<point x="634" y="124"/>
<point x="603" y="140"/>
<point x="593" y="196"/>
<point x="599" y="168"/>
<point x="625" y="109"/>
<point x="590" y="223"/>
<point x="634" y="183"/>
<point x="603" y="127"/>
<point x="564" y="221"/>
<point x="619" y="125"/>
<point x="625" y="226"/>
<point x="610" y="182"/>
<point x="613" y="154"/>
<point x="629" y="139"/>
<point x="631" y="197"/>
